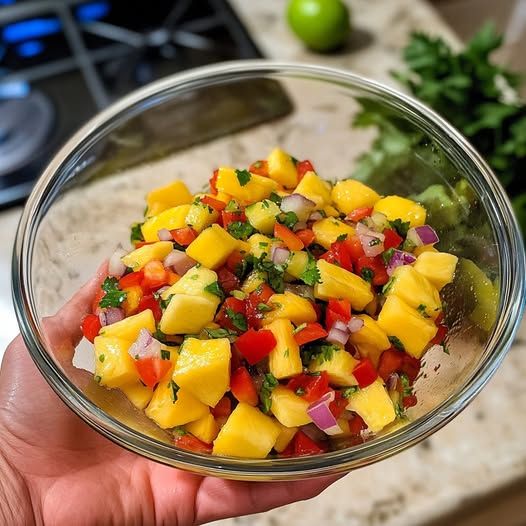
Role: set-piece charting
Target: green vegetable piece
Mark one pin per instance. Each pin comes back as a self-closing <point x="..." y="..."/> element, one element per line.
<point x="114" y="295"/>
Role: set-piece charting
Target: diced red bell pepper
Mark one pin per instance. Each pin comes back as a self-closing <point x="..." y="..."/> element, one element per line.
<point x="191" y="443"/>
<point x="311" y="331"/>
<point x="223" y="408"/>
<point x="409" y="401"/>
<point x="288" y="451"/>
<point x="95" y="307"/>
<point x="139" y="244"/>
<point x="355" y="248"/>
<point x="230" y="304"/>
<point x="410" y="367"/>
<point x="152" y="370"/>
<point x="260" y="296"/>
<point x="149" y="302"/>
<point x="392" y="239"/>
<point x="216" y="204"/>
<point x="90" y="327"/>
<point x="306" y="235"/>
<point x="133" y="279"/>
<point x="232" y="216"/>
<point x="439" y="318"/>
<point x="303" y="445"/>
<point x="440" y="336"/>
<point x="359" y="213"/>
<point x="288" y="237"/>
<point x="338" y="405"/>
<point x="213" y="182"/>
<point x="243" y="388"/>
<point x="356" y="424"/>
<point x="303" y="167"/>
<point x="155" y="276"/>
<point x="376" y="265"/>
<point x="390" y="362"/>
<point x="309" y="387"/>
<point x="183" y="236"/>
<point x="234" y="261"/>
<point x="259" y="168"/>
<point x="365" y="373"/>
<point x="255" y="345"/>
<point x="339" y="254"/>
<point x="228" y="280"/>
<point x="337" y="310"/>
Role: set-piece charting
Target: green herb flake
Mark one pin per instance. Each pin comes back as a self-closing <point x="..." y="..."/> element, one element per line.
<point x="97" y="378"/>
<point x="102" y="358"/>
<point x="238" y="320"/>
<point x="387" y="287"/>
<point x="400" y="226"/>
<point x="300" y="391"/>
<point x="215" y="289"/>
<point x="269" y="383"/>
<point x="136" y="233"/>
<point x="445" y="348"/>
<point x="165" y="354"/>
<point x="422" y="310"/>
<point x="175" y="388"/>
<point x="286" y="353"/>
<point x="221" y="333"/>
<point x="273" y="274"/>
<point x="299" y="328"/>
<point x="311" y="274"/>
<point x="239" y="295"/>
<point x="262" y="307"/>
<point x="166" y="302"/>
<point x="367" y="274"/>
<point x="180" y="431"/>
<point x="289" y="219"/>
<point x="243" y="176"/>
<point x="275" y="198"/>
<point x="407" y="390"/>
<point x="114" y="295"/>
<point x="240" y="230"/>
<point x="341" y="237"/>
<point x="396" y="343"/>
<point x="265" y="203"/>
<point x="347" y="392"/>
<point x="387" y="255"/>
<point x="263" y="244"/>
<point x="232" y="206"/>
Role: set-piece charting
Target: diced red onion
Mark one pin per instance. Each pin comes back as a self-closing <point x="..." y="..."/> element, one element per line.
<point x="300" y="225"/>
<point x="372" y="243"/>
<point x="162" y="289"/>
<point x="398" y="259"/>
<point x="280" y="255"/>
<point x="145" y="346"/>
<point x="362" y="229"/>
<point x="355" y="324"/>
<point x="314" y="432"/>
<point x="422" y="235"/>
<point x="366" y="434"/>
<point x="179" y="261"/>
<point x="164" y="235"/>
<point x="116" y="267"/>
<point x="113" y="315"/>
<point x="340" y="325"/>
<point x="305" y="291"/>
<point x="315" y="216"/>
<point x="298" y="204"/>
<point x="322" y="416"/>
<point x="338" y="336"/>
<point x="392" y="381"/>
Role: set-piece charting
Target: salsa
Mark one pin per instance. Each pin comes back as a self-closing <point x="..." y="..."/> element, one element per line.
<point x="276" y="314"/>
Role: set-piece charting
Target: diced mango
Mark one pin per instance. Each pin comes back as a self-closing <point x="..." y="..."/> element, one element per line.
<point x="205" y="428"/>
<point x="133" y="298"/>
<point x="370" y="340"/>
<point x="252" y="282"/>
<point x="247" y="433"/>
<point x="339" y="366"/>
<point x="336" y="282"/>
<point x="171" y="218"/>
<point x="316" y="189"/>
<point x="416" y="290"/>
<point x="330" y="211"/>
<point x="400" y="320"/>
<point x="327" y="230"/>
<point x="396" y="207"/>
<point x="282" y="169"/>
<point x="373" y="404"/>
<point x="187" y="314"/>
<point x="437" y="267"/>
<point x="173" y="194"/>
<point x="200" y="216"/>
<point x="349" y="195"/>
<point x="291" y="307"/>
<point x="129" y="328"/>
<point x="138" y="394"/>
<point x="212" y="247"/>
<point x="297" y="263"/>
<point x="424" y="248"/>
<point x="259" y="244"/>
<point x="255" y="189"/>
<point x="262" y="215"/>
<point x="170" y="406"/>
<point x="203" y="368"/>
<point x="286" y="434"/>
<point x="193" y="283"/>
<point x="113" y="364"/>
<point x="284" y="360"/>
<point x="140" y="256"/>
<point x="289" y="409"/>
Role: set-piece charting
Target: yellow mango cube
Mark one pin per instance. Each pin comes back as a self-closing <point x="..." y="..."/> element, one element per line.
<point x="288" y="408"/>
<point x="247" y="433"/>
<point x="297" y="263"/>
<point x="416" y="290"/>
<point x="291" y="307"/>
<point x="200" y="216"/>
<point x="262" y="215"/>
<point x="339" y="365"/>
<point x="129" y="328"/>
<point x="172" y="406"/>
<point x="400" y="320"/>
<point x="437" y="267"/>
<point x="396" y="207"/>
<point x="187" y="314"/>
<point x="212" y="247"/>
<point x="284" y="360"/>
<point x="133" y="298"/>
<point x="138" y="394"/>
<point x="370" y="340"/>
<point x="286" y="434"/>
<point x="336" y="282"/>
<point x="173" y="194"/>
<point x="350" y="194"/>
<point x="328" y="230"/>
<point x="282" y="169"/>
<point x="424" y="248"/>
<point x="252" y="281"/>
<point x="113" y="365"/>
<point x="255" y="189"/>
<point x="171" y="218"/>
<point x="373" y="404"/>
<point x="203" y="368"/>
<point x="260" y="244"/>
<point x="316" y="189"/>
<point x="205" y="428"/>
<point x="330" y="211"/>
<point x="193" y="283"/>
<point x="140" y="256"/>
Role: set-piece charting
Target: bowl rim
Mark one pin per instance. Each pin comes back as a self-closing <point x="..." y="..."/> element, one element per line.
<point x="512" y="264"/>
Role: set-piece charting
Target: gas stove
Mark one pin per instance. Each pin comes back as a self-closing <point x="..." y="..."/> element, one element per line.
<point x="61" y="61"/>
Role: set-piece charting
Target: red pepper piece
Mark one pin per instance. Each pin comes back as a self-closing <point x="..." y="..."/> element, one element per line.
<point x="312" y="331"/>
<point x="365" y="373"/>
<point x="255" y="345"/>
<point x="90" y="327"/>
<point x="243" y="388"/>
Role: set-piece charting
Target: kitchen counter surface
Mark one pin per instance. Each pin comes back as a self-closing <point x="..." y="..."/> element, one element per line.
<point x="476" y="462"/>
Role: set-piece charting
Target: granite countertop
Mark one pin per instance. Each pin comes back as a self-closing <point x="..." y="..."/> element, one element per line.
<point x="482" y="452"/>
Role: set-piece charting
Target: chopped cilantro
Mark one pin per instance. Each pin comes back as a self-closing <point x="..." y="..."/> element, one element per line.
<point x="102" y="358"/>
<point x="243" y="176"/>
<point x="268" y="385"/>
<point x="387" y="255"/>
<point x="174" y="387"/>
<point x="238" y="320"/>
<point x="265" y="203"/>
<point x="215" y="289"/>
<point x="311" y="274"/>
<point x="286" y="353"/>
<point x="114" y="295"/>
<point x="341" y="237"/>
<point x="367" y="274"/>
<point x="97" y="378"/>
<point x="314" y="373"/>
<point x="395" y="342"/>
<point x="274" y="273"/>
<point x="400" y="226"/>
<point x="407" y="390"/>
<point x="263" y="244"/>
<point x="321" y="352"/>
<point x="239" y="295"/>
<point x="275" y="198"/>
<point x="179" y="431"/>
<point x="289" y="219"/>
<point x="300" y="391"/>
<point x="221" y="333"/>
<point x="232" y="206"/>
<point x="262" y="307"/>
<point x="165" y="355"/>
<point x="445" y="348"/>
<point x="240" y="230"/>
<point x="166" y="302"/>
<point x="347" y="392"/>
<point x="299" y="328"/>
<point x="422" y="310"/>
<point x="136" y="233"/>
<point x="387" y="287"/>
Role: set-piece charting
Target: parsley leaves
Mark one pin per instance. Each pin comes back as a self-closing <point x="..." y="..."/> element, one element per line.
<point x="400" y="226"/>
<point x="243" y="176"/>
<point x="240" y="229"/>
<point x="175" y="388"/>
<point x="215" y="289"/>
<point x="268" y="385"/>
<point x="311" y="274"/>
<point x="136" y="233"/>
<point x="289" y="219"/>
<point x="114" y="295"/>
<point x="221" y="333"/>
<point x="274" y="273"/>
<point x="275" y="198"/>
<point x="238" y="320"/>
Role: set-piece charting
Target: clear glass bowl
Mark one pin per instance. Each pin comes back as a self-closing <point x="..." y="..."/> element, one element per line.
<point x="231" y="114"/>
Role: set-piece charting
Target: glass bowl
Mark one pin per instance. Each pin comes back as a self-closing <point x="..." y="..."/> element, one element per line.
<point x="231" y="114"/>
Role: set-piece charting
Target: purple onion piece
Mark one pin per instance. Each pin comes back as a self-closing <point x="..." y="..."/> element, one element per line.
<point x="355" y="324"/>
<point x="392" y="381"/>
<point x="145" y="346"/>
<point x="298" y="204"/>
<point x="113" y="315"/>
<point x="179" y="261"/>
<point x="315" y="216"/>
<point x="280" y="255"/>
<point x="164" y="235"/>
<point x="300" y="225"/>
<point x="398" y="259"/>
<point x="340" y="325"/>
<point x="372" y="244"/>
<point x="338" y="337"/>
<point x="116" y="267"/>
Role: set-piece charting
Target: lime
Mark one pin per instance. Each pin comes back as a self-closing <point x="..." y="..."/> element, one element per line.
<point x="322" y="24"/>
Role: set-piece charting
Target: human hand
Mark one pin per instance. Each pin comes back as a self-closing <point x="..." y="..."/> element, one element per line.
<point x="54" y="469"/>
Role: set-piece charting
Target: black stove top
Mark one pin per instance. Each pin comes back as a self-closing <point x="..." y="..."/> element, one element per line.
<point x="61" y="61"/>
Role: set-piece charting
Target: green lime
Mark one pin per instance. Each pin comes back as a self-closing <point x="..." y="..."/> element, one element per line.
<point x="322" y="24"/>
